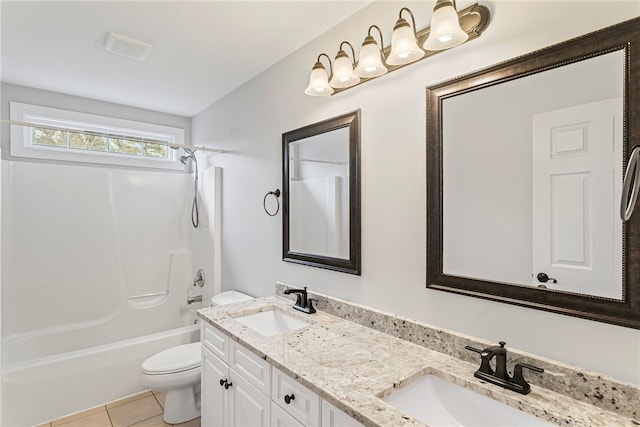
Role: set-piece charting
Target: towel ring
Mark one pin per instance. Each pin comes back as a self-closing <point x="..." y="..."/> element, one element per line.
<point x="275" y="193"/>
<point x="628" y="202"/>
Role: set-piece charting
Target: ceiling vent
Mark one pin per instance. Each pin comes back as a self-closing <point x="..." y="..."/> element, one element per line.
<point x="127" y="46"/>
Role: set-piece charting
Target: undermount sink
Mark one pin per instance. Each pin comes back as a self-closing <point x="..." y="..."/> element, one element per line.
<point x="438" y="402"/>
<point x="271" y="322"/>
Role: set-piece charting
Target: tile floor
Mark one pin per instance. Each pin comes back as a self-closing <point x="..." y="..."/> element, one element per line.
<point x="142" y="410"/>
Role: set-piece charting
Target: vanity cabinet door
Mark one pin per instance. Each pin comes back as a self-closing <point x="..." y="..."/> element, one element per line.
<point x="214" y="398"/>
<point x="281" y="418"/>
<point x="248" y="406"/>
<point x="334" y="417"/>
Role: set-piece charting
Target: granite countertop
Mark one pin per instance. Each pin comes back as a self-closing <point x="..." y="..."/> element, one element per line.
<point x="353" y="367"/>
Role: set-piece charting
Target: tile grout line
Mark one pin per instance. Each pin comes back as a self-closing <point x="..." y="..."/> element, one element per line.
<point x="108" y="415"/>
<point x="156" y="398"/>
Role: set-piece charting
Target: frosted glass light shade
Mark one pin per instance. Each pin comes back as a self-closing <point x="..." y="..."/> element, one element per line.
<point x="404" y="48"/>
<point x="445" y="31"/>
<point x="343" y="76"/>
<point x="370" y="61"/>
<point x="318" y="82"/>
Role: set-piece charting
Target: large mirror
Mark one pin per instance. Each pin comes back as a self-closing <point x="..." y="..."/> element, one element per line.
<point x="526" y="162"/>
<point x="321" y="197"/>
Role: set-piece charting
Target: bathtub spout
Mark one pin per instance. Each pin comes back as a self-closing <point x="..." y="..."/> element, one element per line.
<point x="197" y="298"/>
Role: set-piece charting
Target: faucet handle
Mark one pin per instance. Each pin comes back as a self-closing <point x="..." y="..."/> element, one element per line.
<point x="519" y="366"/>
<point x="475" y="350"/>
<point x="310" y="306"/>
<point x="484" y="363"/>
<point x="518" y="378"/>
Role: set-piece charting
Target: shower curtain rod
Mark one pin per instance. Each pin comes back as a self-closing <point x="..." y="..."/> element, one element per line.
<point x="108" y="135"/>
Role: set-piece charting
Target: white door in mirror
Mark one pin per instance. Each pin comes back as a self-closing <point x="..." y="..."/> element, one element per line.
<point x="577" y="184"/>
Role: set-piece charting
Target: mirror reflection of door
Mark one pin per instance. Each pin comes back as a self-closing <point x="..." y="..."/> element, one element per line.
<point x="577" y="183"/>
<point x="510" y="208"/>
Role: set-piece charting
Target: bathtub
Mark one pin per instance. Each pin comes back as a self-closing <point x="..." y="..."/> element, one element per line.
<point x="41" y="389"/>
<point x="97" y="284"/>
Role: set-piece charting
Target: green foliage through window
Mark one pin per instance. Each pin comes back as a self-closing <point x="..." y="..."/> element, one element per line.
<point x="118" y="144"/>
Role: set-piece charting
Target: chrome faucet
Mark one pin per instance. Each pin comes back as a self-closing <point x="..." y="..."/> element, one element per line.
<point x="191" y="300"/>
<point x="500" y="376"/>
<point x="303" y="303"/>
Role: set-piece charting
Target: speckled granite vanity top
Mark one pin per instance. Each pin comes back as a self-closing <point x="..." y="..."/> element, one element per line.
<point x="353" y="366"/>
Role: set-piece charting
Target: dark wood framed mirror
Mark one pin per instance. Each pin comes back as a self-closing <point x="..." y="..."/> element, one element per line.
<point x="321" y="194"/>
<point x="525" y="165"/>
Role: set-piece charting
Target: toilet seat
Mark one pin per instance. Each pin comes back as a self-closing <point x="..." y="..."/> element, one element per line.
<point x="173" y="360"/>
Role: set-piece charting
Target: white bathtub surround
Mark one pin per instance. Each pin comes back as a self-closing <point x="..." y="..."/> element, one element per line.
<point x="106" y="258"/>
<point x="332" y="355"/>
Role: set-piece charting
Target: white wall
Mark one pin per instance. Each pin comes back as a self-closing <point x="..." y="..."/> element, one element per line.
<point x="250" y="121"/>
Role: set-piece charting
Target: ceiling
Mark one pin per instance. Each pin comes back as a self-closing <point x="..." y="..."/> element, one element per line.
<point x="202" y="50"/>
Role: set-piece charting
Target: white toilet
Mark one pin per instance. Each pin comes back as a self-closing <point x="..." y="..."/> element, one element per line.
<point x="176" y="371"/>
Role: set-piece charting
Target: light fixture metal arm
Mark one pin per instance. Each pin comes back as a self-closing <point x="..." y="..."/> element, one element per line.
<point x="353" y="52"/>
<point x="328" y="59"/>
<point x="380" y="33"/>
<point x="413" y="20"/>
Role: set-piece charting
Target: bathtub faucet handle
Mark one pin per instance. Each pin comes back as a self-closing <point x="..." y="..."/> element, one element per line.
<point x="197" y="298"/>
<point x="198" y="280"/>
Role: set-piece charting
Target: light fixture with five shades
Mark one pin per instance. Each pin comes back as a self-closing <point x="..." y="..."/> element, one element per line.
<point x="448" y="29"/>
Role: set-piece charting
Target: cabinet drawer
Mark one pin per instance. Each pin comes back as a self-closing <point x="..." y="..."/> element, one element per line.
<point x="215" y="341"/>
<point x="254" y="369"/>
<point x="303" y="404"/>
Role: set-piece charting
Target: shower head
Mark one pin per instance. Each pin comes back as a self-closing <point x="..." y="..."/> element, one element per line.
<point x="184" y="159"/>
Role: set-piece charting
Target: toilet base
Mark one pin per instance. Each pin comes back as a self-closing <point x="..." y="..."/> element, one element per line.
<point x="182" y="404"/>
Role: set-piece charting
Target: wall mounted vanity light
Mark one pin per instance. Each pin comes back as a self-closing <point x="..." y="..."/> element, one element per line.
<point x="404" y="44"/>
<point x="343" y="76"/>
<point x="448" y="29"/>
<point x="370" y="63"/>
<point x="319" y="79"/>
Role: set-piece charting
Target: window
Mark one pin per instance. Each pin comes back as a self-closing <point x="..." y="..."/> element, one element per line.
<point x="67" y="135"/>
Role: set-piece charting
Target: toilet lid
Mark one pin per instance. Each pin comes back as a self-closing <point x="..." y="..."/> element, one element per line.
<point x="174" y="359"/>
<point x="229" y="297"/>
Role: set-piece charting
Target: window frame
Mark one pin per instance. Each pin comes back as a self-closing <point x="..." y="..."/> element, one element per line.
<point x="21" y="137"/>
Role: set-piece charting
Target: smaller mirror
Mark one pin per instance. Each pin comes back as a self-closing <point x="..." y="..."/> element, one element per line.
<point x="321" y="194"/>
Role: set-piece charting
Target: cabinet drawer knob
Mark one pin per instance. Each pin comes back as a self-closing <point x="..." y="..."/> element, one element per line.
<point x="227" y="385"/>
<point x="288" y="398"/>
